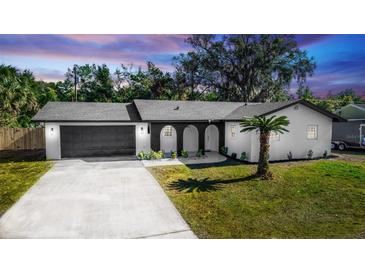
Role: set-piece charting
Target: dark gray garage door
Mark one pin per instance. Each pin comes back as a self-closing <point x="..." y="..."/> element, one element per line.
<point x="86" y="141"/>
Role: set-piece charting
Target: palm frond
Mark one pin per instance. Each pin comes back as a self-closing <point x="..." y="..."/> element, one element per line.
<point x="264" y="124"/>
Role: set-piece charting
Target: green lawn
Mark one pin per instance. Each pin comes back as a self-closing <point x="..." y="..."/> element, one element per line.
<point x="16" y="178"/>
<point x="317" y="199"/>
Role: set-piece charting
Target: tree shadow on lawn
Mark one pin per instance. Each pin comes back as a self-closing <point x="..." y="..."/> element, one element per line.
<point x="205" y="185"/>
<point x="228" y="162"/>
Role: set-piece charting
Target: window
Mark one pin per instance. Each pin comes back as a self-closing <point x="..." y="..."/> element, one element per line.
<point x="274" y="136"/>
<point x="167" y="131"/>
<point x="233" y="131"/>
<point x="312" y="132"/>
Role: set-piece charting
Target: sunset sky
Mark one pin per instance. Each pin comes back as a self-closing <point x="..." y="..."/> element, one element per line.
<point x="340" y="58"/>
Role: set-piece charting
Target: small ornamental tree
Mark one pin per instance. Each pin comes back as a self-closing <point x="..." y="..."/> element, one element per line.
<point x="264" y="126"/>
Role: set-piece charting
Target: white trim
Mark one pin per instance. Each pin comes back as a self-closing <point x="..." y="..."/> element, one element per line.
<point x="360" y="128"/>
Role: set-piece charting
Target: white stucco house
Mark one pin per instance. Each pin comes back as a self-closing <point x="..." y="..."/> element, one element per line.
<point x="103" y="129"/>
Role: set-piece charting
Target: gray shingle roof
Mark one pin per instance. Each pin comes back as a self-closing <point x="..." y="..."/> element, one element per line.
<point x="160" y="110"/>
<point x="268" y="108"/>
<point x="163" y="110"/>
<point x="257" y="110"/>
<point x="81" y="111"/>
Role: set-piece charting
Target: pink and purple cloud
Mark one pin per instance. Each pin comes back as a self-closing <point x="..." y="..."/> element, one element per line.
<point x="340" y="58"/>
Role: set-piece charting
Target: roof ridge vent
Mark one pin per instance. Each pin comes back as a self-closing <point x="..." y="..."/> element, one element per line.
<point x="177" y="108"/>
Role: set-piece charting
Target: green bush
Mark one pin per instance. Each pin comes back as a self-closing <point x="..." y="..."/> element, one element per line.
<point x="152" y="155"/>
<point x="310" y="154"/>
<point x="199" y="153"/>
<point x="156" y="155"/>
<point x="142" y="155"/>
<point x="234" y="155"/>
<point x="325" y="154"/>
<point x="184" y="153"/>
<point x="173" y="154"/>
<point x="290" y="156"/>
<point x="224" y="150"/>
<point x="243" y="156"/>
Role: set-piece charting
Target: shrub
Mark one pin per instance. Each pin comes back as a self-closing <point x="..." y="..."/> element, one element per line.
<point x="243" y="156"/>
<point x="152" y="155"/>
<point x="141" y="155"/>
<point x="147" y="156"/>
<point x="224" y="150"/>
<point x="290" y="156"/>
<point x="310" y="154"/>
<point x="184" y="153"/>
<point x="173" y="154"/>
<point x="160" y="154"/>
<point x="234" y="155"/>
<point x="155" y="155"/>
<point x="325" y="154"/>
<point x="199" y="153"/>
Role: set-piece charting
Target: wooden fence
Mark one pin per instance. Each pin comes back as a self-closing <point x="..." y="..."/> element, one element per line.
<point x="22" y="138"/>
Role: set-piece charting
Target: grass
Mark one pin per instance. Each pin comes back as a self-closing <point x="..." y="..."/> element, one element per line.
<point x="16" y="178"/>
<point x="317" y="199"/>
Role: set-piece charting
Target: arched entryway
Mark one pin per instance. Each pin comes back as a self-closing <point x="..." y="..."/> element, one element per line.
<point x="168" y="141"/>
<point x="211" y="138"/>
<point x="191" y="139"/>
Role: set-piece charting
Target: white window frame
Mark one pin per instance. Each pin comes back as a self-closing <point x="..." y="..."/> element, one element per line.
<point x="233" y="131"/>
<point x="167" y="131"/>
<point x="362" y="127"/>
<point x="274" y="136"/>
<point x="315" y="131"/>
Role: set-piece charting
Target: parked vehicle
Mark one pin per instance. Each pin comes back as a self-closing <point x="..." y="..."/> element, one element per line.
<point x="349" y="134"/>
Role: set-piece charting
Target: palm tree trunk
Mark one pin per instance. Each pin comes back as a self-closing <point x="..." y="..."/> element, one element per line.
<point x="263" y="165"/>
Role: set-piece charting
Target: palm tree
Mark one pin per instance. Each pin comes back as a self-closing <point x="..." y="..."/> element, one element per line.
<point x="265" y="126"/>
<point x="17" y="95"/>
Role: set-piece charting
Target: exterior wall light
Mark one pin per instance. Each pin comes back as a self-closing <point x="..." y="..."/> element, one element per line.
<point x="142" y="130"/>
<point x="52" y="131"/>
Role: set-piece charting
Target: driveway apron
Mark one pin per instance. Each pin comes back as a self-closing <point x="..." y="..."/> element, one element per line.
<point x="83" y="199"/>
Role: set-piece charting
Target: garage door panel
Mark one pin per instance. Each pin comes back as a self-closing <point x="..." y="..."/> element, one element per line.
<point x="84" y="141"/>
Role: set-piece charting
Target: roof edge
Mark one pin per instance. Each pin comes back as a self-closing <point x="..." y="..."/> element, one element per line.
<point x="310" y="105"/>
<point x="83" y="121"/>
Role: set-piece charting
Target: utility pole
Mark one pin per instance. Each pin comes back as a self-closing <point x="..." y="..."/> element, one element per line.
<point x="75" y="82"/>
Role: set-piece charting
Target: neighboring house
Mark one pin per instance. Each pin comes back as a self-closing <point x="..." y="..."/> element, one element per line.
<point x="351" y="133"/>
<point x="352" y="112"/>
<point x="103" y="129"/>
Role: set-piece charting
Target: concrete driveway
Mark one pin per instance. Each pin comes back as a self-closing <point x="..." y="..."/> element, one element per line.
<point x="88" y="199"/>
